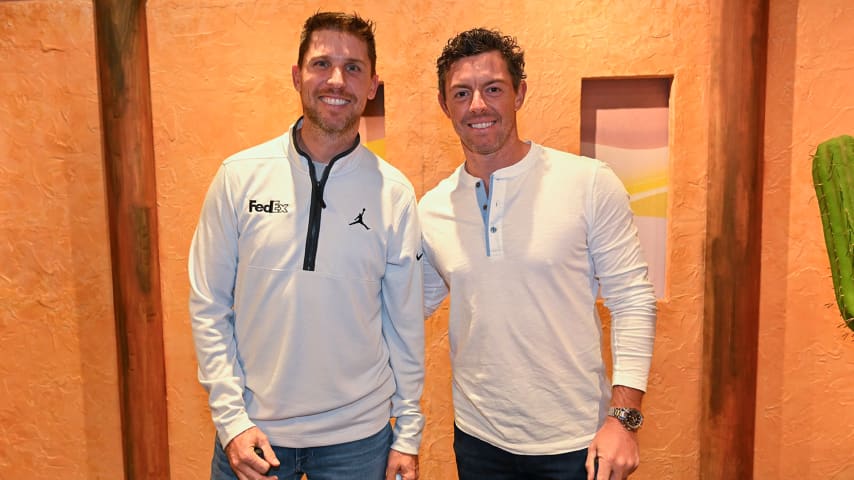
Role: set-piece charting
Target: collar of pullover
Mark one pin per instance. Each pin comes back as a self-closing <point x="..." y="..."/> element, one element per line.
<point x="343" y="162"/>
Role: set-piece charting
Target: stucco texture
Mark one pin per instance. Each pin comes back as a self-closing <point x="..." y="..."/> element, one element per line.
<point x="59" y="408"/>
<point x="220" y="80"/>
<point x="806" y="358"/>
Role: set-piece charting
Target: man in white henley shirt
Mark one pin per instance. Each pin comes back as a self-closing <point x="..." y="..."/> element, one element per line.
<point x="523" y="237"/>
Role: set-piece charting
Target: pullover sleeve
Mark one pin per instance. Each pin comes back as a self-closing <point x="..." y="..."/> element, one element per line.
<point x="621" y="271"/>
<point x="403" y="327"/>
<point x="212" y="270"/>
<point x="435" y="289"/>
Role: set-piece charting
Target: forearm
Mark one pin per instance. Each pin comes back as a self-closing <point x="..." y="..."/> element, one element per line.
<point x="615" y="446"/>
<point x="405" y="340"/>
<point x="219" y="371"/>
<point x="622" y="396"/>
<point x="407" y="433"/>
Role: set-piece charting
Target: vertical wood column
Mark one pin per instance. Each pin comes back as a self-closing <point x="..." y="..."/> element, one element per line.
<point x="122" y="51"/>
<point x="731" y="312"/>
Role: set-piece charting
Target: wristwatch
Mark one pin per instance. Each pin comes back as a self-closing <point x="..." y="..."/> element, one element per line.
<point x="631" y="418"/>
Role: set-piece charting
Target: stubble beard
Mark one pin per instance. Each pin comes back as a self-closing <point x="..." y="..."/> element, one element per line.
<point x="480" y="148"/>
<point x="314" y="117"/>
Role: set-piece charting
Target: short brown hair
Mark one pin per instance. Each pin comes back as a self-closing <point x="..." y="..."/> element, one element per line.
<point x="339" y="22"/>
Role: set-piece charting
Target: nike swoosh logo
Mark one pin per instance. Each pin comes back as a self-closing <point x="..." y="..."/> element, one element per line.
<point x="419" y="255"/>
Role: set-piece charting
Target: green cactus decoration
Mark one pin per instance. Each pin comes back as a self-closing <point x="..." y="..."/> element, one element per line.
<point x="833" y="177"/>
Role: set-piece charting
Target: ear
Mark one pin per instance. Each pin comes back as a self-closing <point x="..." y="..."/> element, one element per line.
<point x="520" y="94"/>
<point x="375" y="84"/>
<point x="296" y="77"/>
<point x="442" y="104"/>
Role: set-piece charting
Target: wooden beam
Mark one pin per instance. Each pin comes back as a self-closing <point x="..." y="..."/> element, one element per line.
<point x="122" y="53"/>
<point x="731" y="308"/>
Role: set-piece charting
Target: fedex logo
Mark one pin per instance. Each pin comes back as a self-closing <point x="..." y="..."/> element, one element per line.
<point x="273" y="206"/>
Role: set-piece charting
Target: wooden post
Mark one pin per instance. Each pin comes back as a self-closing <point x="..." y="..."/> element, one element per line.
<point x="731" y="312"/>
<point x="122" y="51"/>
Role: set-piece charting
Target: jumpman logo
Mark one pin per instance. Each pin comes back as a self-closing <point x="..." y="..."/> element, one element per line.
<point x="360" y="221"/>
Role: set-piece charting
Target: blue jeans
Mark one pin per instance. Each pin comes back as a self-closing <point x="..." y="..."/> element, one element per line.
<point x="364" y="459"/>
<point x="478" y="460"/>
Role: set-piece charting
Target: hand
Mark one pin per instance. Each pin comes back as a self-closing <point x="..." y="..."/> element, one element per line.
<point x="247" y="465"/>
<point x="403" y="463"/>
<point x="617" y="451"/>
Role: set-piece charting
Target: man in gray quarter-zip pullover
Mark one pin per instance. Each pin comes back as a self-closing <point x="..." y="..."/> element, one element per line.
<point x="306" y="287"/>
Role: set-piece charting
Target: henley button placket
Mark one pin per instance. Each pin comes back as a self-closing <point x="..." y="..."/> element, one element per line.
<point x="497" y="193"/>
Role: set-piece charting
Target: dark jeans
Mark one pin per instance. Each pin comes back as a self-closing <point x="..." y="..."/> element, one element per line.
<point x="360" y="460"/>
<point x="478" y="460"/>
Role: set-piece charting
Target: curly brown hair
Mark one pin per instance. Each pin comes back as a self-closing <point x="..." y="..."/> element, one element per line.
<point x="481" y="40"/>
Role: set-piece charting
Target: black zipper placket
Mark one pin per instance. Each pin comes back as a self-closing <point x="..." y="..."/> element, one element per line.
<point x="317" y="204"/>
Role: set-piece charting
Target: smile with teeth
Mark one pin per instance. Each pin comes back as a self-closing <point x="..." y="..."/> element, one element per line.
<point x="334" y="101"/>
<point x="482" y="125"/>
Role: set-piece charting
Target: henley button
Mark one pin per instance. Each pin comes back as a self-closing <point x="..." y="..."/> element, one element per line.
<point x="477" y="184"/>
<point x="493" y="229"/>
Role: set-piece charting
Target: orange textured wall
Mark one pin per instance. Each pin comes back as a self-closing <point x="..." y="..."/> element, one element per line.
<point x="59" y="407"/>
<point x="805" y="360"/>
<point x="221" y="81"/>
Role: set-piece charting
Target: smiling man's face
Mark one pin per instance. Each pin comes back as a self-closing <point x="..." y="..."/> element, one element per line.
<point x="480" y="101"/>
<point x="335" y="81"/>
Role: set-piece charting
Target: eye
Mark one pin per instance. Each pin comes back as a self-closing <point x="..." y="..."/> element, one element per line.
<point x="460" y="94"/>
<point x="320" y="64"/>
<point x="493" y="90"/>
<point x="352" y="67"/>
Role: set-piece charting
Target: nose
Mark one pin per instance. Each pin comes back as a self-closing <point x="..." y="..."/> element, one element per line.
<point x="477" y="103"/>
<point x="337" y="77"/>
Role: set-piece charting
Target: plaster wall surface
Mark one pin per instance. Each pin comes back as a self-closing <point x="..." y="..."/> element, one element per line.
<point x="59" y="411"/>
<point x="805" y="357"/>
<point x="221" y="82"/>
<point x="220" y="78"/>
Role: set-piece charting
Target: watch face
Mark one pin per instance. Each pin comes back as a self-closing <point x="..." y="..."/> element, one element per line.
<point x="634" y="419"/>
<point x="631" y="418"/>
